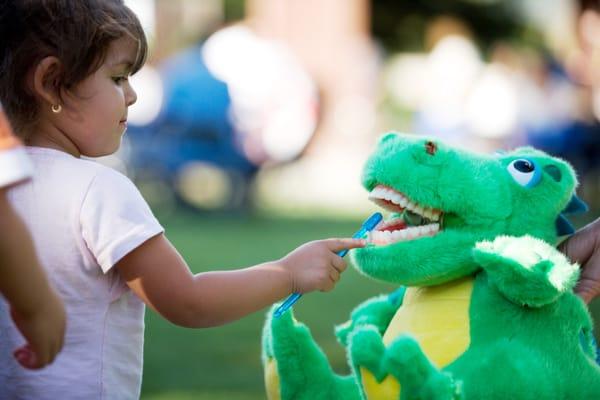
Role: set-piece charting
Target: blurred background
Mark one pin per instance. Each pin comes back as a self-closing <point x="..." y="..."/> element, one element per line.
<point x="255" y="117"/>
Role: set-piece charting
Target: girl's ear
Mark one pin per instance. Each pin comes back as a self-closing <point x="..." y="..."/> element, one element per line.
<point x="46" y="75"/>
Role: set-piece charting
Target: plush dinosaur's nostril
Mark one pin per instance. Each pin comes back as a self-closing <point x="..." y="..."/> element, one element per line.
<point x="430" y="147"/>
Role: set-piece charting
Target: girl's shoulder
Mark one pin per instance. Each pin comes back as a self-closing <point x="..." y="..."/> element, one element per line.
<point x="59" y="162"/>
<point x="53" y="168"/>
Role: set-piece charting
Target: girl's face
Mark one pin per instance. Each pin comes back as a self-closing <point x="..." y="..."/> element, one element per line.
<point x="95" y="113"/>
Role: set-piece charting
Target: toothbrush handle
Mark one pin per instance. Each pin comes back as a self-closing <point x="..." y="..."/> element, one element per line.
<point x="294" y="297"/>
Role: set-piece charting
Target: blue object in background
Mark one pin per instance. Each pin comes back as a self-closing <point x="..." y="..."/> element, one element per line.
<point x="192" y="126"/>
<point x="577" y="142"/>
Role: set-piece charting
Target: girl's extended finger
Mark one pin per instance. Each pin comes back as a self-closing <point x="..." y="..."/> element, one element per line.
<point x="338" y="244"/>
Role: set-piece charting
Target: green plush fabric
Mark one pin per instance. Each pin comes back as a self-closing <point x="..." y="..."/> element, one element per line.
<point x="529" y="336"/>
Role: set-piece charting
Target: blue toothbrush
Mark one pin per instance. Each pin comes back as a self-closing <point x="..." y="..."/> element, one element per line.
<point x="367" y="226"/>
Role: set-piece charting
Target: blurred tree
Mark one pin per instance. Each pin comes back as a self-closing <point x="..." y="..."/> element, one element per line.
<point x="234" y="10"/>
<point x="401" y="25"/>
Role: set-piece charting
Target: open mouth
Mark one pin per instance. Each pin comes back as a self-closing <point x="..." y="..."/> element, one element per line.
<point x="410" y="220"/>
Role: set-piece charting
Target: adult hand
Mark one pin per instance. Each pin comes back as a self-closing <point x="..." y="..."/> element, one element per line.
<point x="584" y="248"/>
<point x="44" y="330"/>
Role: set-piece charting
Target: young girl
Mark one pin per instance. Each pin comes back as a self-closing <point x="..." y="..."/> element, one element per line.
<point x="64" y="84"/>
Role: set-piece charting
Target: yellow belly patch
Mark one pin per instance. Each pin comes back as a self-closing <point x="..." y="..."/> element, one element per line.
<point x="387" y="389"/>
<point x="272" y="380"/>
<point x="438" y="318"/>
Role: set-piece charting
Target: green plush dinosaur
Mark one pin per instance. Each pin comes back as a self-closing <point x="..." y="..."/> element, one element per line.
<point x="484" y="309"/>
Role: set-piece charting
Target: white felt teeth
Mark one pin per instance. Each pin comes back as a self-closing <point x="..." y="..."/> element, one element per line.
<point x="381" y="192"/>
<point x="415" y="232"/>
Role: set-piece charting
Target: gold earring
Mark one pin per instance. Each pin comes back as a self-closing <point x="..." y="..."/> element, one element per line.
<point x="56" y="108"/>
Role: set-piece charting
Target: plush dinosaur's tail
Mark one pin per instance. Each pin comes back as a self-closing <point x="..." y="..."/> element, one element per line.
<point x="296" y="368"/>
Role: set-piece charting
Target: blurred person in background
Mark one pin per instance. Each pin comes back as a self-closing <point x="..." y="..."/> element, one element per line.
<point x="230" y="105"/>
<point x="577" y="138"/>
<point x="584" y="63"/>
<point x="584" y="246"/>
<point x="36" y="310"/>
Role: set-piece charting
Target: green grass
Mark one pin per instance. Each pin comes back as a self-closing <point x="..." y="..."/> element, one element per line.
<point x="224" y="363"/>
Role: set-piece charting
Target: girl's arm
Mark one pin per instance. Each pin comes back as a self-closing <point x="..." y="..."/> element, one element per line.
<point x="157" y="273"/>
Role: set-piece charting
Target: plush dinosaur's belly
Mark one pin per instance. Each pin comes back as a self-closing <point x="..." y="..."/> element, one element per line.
<point x="438" y="318"/>
<point x="272" y="380"/>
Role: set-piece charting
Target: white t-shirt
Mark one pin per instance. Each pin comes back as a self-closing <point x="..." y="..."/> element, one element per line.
<point x="83" y="217"/>
<point x="14" y="166"/>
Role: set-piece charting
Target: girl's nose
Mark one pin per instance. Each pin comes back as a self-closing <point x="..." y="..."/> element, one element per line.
<point x="131" y="96"/>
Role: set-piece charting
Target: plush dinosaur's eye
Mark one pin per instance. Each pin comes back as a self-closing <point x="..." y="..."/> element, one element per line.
<point x="525" y="171"/>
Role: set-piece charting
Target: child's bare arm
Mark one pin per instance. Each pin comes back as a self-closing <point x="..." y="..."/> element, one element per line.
<point x="160" y="277"/>
<point x="36" y="309"/>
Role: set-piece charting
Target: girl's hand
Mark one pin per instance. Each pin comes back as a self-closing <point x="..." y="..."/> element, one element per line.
<point x="584" y="248"/>
<point x="44" y="330"/>
<point x="316" y="266"/>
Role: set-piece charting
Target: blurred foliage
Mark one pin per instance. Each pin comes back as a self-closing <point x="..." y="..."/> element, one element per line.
<point x="234" y="10"/>
<point x="401" y="25"/>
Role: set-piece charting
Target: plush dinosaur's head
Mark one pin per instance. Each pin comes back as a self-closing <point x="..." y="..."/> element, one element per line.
<point x="443" y="200"/>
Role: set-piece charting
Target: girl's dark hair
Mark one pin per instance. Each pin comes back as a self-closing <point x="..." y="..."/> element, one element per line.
<point x="585" y="5"/>
<point x="77" y="32"/>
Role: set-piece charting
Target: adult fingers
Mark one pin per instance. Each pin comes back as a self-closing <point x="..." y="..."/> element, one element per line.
<point x="41" y="354"/>
<point x="61" y="341"/>
<point x="588" y="286"/>
<point x="21" y="356"/>
<point x="583" y="243"/>
<point x="54" y="349"/>
<point x="28" y="358"/>
<point x="40" y="358"/>
<point x="587" y="289"/>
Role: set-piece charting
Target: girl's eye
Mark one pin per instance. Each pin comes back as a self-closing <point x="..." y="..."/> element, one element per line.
<point x="525" y="172"/>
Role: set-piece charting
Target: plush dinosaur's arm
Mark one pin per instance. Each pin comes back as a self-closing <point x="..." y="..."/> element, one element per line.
<point x="526" y="270"/>
<point x="377" y="311"/>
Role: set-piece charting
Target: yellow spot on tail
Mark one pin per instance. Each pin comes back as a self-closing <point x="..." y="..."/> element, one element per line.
<point x="438" y="318"/>
<point x="272" y="380"/>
